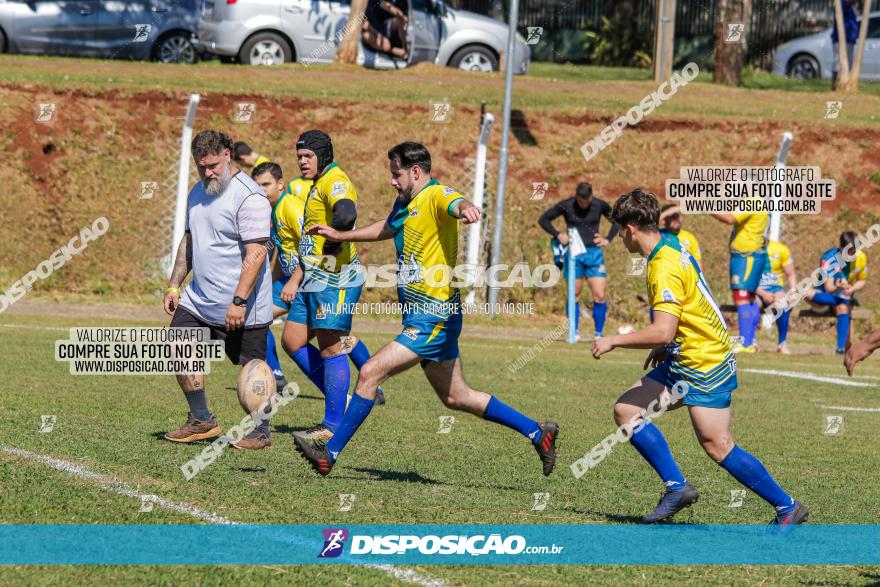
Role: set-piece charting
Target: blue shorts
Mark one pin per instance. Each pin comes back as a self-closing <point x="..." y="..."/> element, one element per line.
<point x="746" y="269"/>
<point x="328" y="309"/>
<point x="589" y="264"/>
<point x="713" y="389"/>
<point x="277" y="286"/>
<point x="432" y="341"/>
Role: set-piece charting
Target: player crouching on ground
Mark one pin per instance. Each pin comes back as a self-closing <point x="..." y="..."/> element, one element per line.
<point x="689" y="343"/>
<point x="843" y="279"/>
<point x="227" y="228"/>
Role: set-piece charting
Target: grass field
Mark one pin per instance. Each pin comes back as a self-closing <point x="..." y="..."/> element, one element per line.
<point x="402" y="471"/>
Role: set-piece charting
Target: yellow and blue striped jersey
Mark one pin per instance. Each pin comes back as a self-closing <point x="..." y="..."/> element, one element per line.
<point x="676" y="286"/>
<point x="333" y="186"/>
<point x="748" y="234"/>
<point x="287" y="222"/>
<point x="854" y="271"/>
<point x="426" y="238"/>
<point x="780" y="257"/>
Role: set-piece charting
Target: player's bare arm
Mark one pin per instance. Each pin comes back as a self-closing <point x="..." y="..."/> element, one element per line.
<point x="861" y="351"/>
<point x="378" y="231"/>
<point x="725" y="218"/>
<point x="466" y="212"/>
<point x="182" y="267"/>
<point x="254" y="256"/>
<point x="660" y="332"/>
<point x="288" y="292"/>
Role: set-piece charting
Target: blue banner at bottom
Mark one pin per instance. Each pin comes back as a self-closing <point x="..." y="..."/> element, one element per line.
<point x="438" y="544"/>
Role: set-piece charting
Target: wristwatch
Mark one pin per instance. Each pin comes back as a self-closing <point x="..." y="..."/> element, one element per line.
<point x="239" y="301"/>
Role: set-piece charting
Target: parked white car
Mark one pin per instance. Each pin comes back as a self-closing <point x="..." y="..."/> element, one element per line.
<point x="811" y="57"/>
<point x="272" y="32"/>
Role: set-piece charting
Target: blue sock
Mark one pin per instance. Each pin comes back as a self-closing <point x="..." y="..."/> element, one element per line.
<point x="309" y="360"/>
<point x="744" y="323"/>
<point x="501" y="413"/>
<point x="842" y="330"/>
<point x="359" y="354"/>
<point x="577" y="317"/>
<point x="198" y="404"/>
<point x="756" y="320"/>
<point x="749" y="471"/>
<point x="600" y="309"/>
<point x="336" y="379"/>
<point x="823" y="297"/>
<point x="782" y="325"/>
<point x="651" y="444"/>
<point x="272" y="355"/>
<point x="358" y="410"/>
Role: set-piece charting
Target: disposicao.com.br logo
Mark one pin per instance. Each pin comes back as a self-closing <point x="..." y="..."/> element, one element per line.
<point x="477" y="545"/>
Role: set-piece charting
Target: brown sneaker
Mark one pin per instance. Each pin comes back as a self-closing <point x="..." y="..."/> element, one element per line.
<point x="253" y="441"/>
<point x="316" y="432"/>
<point x="195" y="430"/>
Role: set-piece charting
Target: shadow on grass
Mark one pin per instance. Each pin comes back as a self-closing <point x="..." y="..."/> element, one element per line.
<point x="406" y="477"/>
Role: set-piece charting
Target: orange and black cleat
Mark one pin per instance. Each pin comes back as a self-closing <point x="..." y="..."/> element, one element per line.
<point x="546" y="445"/>
<point x="316" y="453"/>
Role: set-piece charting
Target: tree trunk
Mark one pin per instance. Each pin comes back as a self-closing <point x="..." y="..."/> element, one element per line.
<point x="348" y="47"/>
<point x="730" y="37"/>
<point x="852" y="84"/>
<point x="843" y="59"/>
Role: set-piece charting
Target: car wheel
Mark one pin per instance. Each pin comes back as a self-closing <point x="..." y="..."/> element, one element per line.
<point x="176" y="48"/>
<point x="803" y="67"/>
<point x="474" y="58"/>
<point x="2" y="42"/>
<point x="265" y="49"/>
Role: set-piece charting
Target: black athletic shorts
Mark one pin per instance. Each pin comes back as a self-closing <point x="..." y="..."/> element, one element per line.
<point x="241" y="345"/>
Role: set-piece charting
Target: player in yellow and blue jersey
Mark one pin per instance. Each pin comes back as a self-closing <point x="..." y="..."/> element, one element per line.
<point x="845" y="269"/>
<point x="747" y="259"/>
<point x="423" y="224"/>
<point x="288" y="211"/>
<point x="778" y="267"/>
<point x="691" y="355"/>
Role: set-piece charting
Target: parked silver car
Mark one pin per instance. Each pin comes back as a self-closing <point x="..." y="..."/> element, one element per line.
<point x="811" y="57"/>
<point x="272" y="32"/>
<point x="131" y="29"/>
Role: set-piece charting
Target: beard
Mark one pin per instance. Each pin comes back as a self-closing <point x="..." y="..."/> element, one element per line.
<point x="214" y="186"/>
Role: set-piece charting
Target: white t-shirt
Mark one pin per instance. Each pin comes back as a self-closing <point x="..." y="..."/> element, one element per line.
<point x="220" y="226"/>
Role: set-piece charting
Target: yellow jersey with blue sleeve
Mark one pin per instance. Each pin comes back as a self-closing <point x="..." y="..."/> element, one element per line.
<point x="425" y="237"/>
<point x="322" y="267"/>
<point x="749" y="232"/>
<point x="700" y="354"/>
<point x="779" y="257"/>
<point x="287" y="229"/>
<point x="858" y="268"/>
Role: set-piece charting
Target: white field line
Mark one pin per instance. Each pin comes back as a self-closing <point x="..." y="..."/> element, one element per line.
<point x="851" y="409"/>
<point x="808" y="377"/>
<point x="400" y="573"/>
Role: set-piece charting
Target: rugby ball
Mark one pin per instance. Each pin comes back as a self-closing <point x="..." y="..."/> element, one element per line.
<point x="256" y="384"/>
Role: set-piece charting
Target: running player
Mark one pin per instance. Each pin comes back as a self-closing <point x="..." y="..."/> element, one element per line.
<point x="689" y="343"/>
<point x="779" y="267"/>
<point x="582" y="215"/>
<point x="843" y="279"/>
<point x="327" y="283"/>
<point x="424" y="226"/>
<point x="671" y="230"/>
<point x="227" y="230"/>
<point x="747" y="259"/>
<point x="288" y="208"/>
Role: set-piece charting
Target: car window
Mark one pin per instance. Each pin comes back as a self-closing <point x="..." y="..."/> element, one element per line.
<point x="874" y="28"/>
